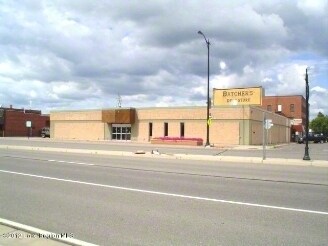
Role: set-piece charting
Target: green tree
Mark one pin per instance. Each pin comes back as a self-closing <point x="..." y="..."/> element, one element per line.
<point x="320" y="124"/>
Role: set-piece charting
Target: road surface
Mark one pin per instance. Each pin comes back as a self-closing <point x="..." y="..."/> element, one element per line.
<point x="125" y="201"/>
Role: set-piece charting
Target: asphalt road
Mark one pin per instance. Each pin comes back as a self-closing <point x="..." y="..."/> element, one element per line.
<point x="290" y="151"/>
<point x="133" y="201"/>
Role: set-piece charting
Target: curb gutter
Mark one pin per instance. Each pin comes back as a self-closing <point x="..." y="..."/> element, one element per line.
<point x="242" y="159"/>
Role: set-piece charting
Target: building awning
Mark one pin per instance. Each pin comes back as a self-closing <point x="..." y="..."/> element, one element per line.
<point x="297" y="128"/>
<point x="119" y="116"/>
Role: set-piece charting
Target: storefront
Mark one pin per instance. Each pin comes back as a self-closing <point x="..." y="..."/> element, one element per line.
<point x="230" y="125"/>
<point x="236" y="119"/>
<point x="121" y="131"/>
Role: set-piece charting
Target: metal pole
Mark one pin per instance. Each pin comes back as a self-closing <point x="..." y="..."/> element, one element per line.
<point x="264" y="135"/>
<point x="208" y="90"/>
<point x="306" y="153"/>
<point x="208" y="94"/>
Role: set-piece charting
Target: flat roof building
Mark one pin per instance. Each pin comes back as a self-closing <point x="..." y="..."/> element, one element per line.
<point x="13" y="122"/>
<point x="237" y="125"/>
<point x="236" y="118"/>
<point x="292" y="107"/>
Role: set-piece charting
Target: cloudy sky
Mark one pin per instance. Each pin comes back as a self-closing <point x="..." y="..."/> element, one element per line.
<point x="80" y="54"/>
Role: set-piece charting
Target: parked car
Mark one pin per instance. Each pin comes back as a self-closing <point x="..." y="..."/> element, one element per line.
<point x="45" y="132"/>
<point x="313" y="137"/>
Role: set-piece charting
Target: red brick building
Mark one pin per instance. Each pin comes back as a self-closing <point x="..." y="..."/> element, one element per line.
<point x="13" y="122"/>
<point x="293" y="107"/>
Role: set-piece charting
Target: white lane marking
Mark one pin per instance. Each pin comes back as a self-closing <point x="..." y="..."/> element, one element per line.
<point x="168" y="194"/>
<point x="71" y="162"/>
<point x="51" y="235"/>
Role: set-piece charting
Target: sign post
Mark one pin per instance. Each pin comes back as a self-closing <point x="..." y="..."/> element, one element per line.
<point x="29" y="128"/>
<point x="267" y="124"/>
<point x="264" y="135"/>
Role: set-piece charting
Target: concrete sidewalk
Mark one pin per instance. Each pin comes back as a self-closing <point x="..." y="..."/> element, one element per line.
<point x="140" y="153"/>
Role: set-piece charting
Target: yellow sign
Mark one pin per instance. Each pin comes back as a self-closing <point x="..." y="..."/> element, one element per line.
<point x="237" y="96"/>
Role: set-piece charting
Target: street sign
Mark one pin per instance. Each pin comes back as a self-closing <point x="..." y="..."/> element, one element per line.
<point x="28" y="123"/>
<point x="209" y="121"/>
<point x="268" y="124"/>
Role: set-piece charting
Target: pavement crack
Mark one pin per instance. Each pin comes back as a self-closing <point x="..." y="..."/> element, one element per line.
<point x="221" y="152"/>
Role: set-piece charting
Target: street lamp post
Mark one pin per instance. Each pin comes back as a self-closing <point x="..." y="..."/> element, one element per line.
<point x="208" y="90"/>
<point x="306" y="154"/>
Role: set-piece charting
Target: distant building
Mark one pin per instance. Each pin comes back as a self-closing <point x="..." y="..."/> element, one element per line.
<point x="292" y="107"/>
<point x="13" y="122"/>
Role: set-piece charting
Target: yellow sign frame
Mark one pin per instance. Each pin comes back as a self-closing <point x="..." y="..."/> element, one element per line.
<point x="238" y="96"/>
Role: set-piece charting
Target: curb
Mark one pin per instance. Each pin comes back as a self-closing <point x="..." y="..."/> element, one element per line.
<point x="251" y="160"/>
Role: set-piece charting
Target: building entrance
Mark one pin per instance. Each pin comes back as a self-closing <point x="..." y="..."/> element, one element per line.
<point x="121" y="132"/>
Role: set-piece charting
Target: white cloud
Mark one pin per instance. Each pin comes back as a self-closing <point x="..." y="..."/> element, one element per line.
<point x="81" y="54"/>
<point x="310" y="7"/>
<point x="223" y="65"/>
<point x="319" y="90"/>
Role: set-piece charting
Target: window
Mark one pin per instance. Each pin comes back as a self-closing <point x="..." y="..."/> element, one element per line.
<point x="166" y="129"/>
<point x="292" y="108"/>
<point x="150" y="129"/>
<point x="182" y="129"/>
<point x="279" y="108"/>
<point x="269" y="108"/>
<point x="121" y="132"/>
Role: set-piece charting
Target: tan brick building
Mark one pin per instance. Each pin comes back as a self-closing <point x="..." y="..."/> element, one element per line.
<point x="232" y="125"/>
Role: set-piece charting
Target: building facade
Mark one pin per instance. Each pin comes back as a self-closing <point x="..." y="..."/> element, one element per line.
<point x="13" y="122"/>
<point x="292" y="107"/>
<point x="237" y="125"/>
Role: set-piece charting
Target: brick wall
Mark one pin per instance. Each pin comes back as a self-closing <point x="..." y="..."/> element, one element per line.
<point x="225" y="127"/>
<point x="76" y="115"/>
<point x="15" y="123"/>
<point x="285" y="101"/>
<point x="80" y="130"/>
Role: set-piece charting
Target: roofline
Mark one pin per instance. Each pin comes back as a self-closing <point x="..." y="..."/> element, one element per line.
<point x="286" y="96"/>
<point x="87" y="110"/>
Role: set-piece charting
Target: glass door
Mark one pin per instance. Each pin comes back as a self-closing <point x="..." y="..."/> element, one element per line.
<point x="121" y="132"/>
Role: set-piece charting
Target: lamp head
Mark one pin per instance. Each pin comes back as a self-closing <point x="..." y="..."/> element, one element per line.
<point x="199" y="32"/>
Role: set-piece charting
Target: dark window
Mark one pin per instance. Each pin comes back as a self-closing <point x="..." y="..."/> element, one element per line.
<point x="269" y="108"/>
<point x="166" y="129"/>
<point x="150" y="129"/>
<point x="182" y="129"/>
<point x="292" y="108"/>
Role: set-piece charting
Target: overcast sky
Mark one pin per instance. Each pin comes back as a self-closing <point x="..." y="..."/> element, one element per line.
<point x="80" y="54"/>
